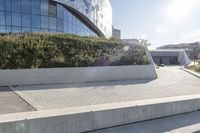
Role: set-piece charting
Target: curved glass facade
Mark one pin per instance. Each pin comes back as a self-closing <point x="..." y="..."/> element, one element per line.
<point x="47" y="16"/>
<point x="99" y="12"/>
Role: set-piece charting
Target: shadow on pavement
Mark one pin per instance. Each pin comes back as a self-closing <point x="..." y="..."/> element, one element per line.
<point x="82" y="85"/>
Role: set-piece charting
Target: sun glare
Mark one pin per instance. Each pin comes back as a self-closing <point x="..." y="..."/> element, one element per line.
<point x="180" y="10"/>
<point x="161" y="29"/>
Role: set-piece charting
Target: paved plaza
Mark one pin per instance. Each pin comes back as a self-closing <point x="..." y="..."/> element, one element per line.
<point x="12" y="103"/>
<point x="172" y="81"/>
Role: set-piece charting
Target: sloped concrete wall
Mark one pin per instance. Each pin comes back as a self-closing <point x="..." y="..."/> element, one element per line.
<point x="73" y="75"/>
<point x="95" y="117"/>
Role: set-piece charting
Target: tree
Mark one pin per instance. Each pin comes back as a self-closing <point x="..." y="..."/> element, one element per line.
<point x="144" y="43"/>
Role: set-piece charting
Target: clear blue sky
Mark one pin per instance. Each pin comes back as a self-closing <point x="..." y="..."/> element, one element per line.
<point x="159" y="21"/>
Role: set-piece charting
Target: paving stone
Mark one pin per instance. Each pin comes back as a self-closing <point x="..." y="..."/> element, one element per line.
<point x="171" y="82"/>
<point x="12" y="103"/>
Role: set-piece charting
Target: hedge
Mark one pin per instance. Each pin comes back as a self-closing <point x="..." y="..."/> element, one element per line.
<point x="42" y="50"/>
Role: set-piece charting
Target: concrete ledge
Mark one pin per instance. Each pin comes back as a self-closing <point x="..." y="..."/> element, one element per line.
<point x="74" y="75"/>
<point x="89" y="118"/>
<point x="191" y="72"/>
<point x="183" y="123"/>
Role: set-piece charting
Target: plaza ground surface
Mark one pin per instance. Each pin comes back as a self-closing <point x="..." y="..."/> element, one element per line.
<point x="171" y="82"/>
<point x="12" y="103"/>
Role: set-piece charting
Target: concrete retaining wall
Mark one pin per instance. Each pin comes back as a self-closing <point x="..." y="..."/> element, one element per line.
<point x="96" y="117"/>
<point x="71" y="75"/>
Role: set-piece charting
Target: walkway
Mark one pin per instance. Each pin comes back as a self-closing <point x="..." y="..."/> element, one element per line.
<point x="12" y="103"/>
<point x="171" y="82"/>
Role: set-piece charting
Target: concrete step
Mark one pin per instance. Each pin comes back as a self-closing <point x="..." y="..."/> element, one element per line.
<point x="90" y="118"/>
<point x="184" y="123"/>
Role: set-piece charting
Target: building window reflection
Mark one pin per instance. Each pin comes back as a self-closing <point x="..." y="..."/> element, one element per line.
<point x="39" y="16"/>
<point x="26" y="20"/>
<point x="35" y="21"/>
<point x="52" y="9"/>
<point x="16" y="5"/>
<point x="26" y="8"/>
<point x="16" y="19"/>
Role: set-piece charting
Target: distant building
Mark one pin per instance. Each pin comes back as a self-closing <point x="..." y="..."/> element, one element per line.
<point x="116" y="33"/>
<point x="192" y="49"/>
<point x="130" y="41"/>
<point x="170" y="57"/>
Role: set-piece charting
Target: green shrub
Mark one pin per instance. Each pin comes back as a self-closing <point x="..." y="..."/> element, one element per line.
<point x="42" y="50"/>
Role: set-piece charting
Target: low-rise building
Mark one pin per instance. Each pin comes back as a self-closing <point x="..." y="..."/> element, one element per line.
<point x="170" y="57"/>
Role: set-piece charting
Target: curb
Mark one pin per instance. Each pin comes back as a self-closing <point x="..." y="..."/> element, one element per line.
<point x="191" y="72"/>
<point x="97" y="117"/>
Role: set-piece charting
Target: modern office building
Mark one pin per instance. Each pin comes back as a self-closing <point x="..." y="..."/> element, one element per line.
<point x="170" y="57"/>
<point x="80" y="17"/>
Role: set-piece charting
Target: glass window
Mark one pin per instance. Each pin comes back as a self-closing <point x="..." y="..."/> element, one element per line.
<point x="44" y="30"/>
<point x="70" y="17"/>
<point x="74" y="19"/>
<point x="35" y="6"/>
<point x="66" y="15"/>
<point x="74" y="29"/>
<point x="70" y="28"/>
<point x="26" y="6"/>
<point x="26" y="29"/>
<point x="35" y="21"/>
<point x="45" y="7"/>
<point x="66" y="27"/>
<point x="60" y="25"/>
<point x="78" y="22"/>
<point x="2" y="4"/>
<point x="82" y="31"/>
<point x="35" y="30"/>
<point x="53" y="31"/>
<point x="52" y="23"/>
<point x="78" y="30"/>
<point x="26" y="20"/>
<point x="16" y="19"/>
<point x="8" y="5"/>
<point x="59" y="11"/>
<point x="2" y="18"/>
<point x="8" y="18"/>
<point x="2" y="29"/>
<point x="16" y="29"/>
<point x="16" y="5"/>
<point x="8" y="29"/>
<point x="52" y="9"/>
<point x="44" y="22"/>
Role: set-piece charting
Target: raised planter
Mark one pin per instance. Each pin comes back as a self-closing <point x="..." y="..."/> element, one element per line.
<point x="74" y="75"/>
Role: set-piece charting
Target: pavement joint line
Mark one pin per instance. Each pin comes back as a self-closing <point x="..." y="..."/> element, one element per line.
<point x="191" y="72"/>
<point x="24" y="98"/>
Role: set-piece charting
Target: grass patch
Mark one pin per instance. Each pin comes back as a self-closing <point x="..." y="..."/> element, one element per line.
<point x="194" y="68"/>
